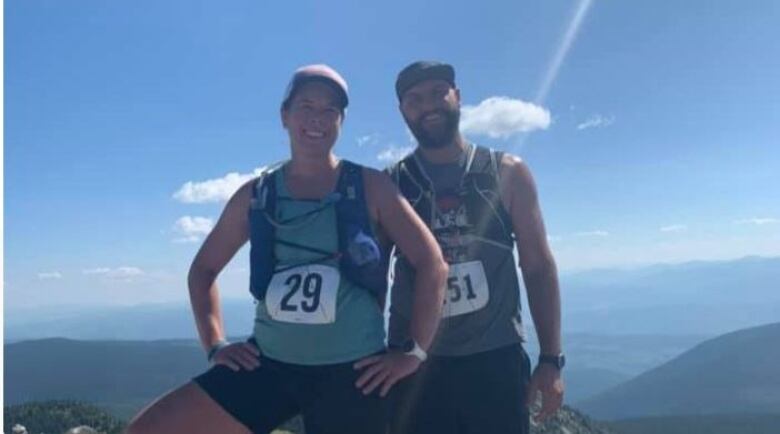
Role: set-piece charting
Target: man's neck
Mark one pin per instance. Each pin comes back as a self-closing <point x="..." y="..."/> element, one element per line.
<point x="446" y="154"/>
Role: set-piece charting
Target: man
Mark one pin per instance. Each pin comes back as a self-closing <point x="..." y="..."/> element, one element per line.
<point x="479" y="204"/>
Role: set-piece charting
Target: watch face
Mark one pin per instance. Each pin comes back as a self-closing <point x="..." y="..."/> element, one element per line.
<point x="407" y="346"/>
<point x="557" y="361"/>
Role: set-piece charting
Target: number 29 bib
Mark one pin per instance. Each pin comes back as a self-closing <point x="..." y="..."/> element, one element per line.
<point x="304" y="295"/>
<point x="467" y="289"/>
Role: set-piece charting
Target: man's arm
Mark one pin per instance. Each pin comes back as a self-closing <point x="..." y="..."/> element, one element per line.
<point x="409" y="233"/>
<point x="227" y="237"/>
<point x="539" y="275"/>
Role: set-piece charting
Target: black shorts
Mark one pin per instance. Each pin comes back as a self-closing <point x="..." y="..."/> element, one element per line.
<point x="474" y="394"/>
<point x="268" y="396"/>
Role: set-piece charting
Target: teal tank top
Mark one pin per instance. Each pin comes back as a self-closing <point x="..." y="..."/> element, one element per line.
<point x="311" y="315"/>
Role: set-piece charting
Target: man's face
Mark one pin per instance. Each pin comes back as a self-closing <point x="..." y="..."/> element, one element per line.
<point x="431" y="109"/>
<point x="313" y="117"/>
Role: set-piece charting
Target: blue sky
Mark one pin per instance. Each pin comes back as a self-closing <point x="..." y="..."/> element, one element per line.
<point x="656" y="140"/>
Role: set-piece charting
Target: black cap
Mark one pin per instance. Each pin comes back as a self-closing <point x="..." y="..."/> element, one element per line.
<point x="421" y="71"/>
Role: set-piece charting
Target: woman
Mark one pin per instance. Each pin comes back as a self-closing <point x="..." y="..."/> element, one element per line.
<point x="318" y="273"/>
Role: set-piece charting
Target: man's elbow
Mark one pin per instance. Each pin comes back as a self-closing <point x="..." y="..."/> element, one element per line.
<point x="539" y="273"/>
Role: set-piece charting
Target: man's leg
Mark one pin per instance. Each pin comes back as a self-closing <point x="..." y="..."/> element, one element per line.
<point x="493" y="389"/>
<point x="421" y="403"/>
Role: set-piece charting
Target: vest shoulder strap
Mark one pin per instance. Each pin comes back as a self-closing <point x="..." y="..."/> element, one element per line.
<point x="350" y="183"/>
<point x="409" y="177"/>
<point x="264" y="191"/>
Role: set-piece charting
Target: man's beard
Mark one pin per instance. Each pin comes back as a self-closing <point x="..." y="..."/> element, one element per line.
<point x="441" y="137"/>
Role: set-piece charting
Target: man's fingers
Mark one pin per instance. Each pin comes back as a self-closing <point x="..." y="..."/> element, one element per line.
<point x="389" y="383"/>
<point x="551" y="402"/>
<point x="368" y="374"/>
<point x="376" y="381"/>
<point x="360" y="364"/>
<point x="530" y="394"/>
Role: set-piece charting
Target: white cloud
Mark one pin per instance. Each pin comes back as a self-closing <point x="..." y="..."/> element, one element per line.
<point x="50" y="275"/>
<point x="501" y="117"/>
<point x="393" y="153"/>
<point x="100" y="270"/>
<point x="125" y="272"/>
<point x="674" y="228"/>
<point x="596" y="121"/>
<point x="115" y="273"/>
<point x="757" y="221"/>
<point x="215" y="190"/>
<point x="596" y="233"/>
<point x="192" y="229"/>
<point x="368" y="139"/>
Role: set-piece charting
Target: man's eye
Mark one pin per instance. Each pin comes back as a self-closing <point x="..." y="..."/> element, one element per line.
<point x="413" y="100"/>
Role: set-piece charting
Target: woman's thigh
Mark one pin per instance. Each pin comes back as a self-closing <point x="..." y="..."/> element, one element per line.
<point x="185" y="409"/>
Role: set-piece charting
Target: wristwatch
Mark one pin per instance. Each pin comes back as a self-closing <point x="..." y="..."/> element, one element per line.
<point x="559" y="361"/>
<point x="222" y="343"/>
<point x="411" y="348"/>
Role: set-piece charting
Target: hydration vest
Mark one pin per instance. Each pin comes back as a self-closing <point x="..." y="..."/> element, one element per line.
<point x="362" y="259"/>
<point x="479" y="190"/>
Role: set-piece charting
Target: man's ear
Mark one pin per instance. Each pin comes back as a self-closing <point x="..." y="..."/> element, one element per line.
<point x="283" y="113"/>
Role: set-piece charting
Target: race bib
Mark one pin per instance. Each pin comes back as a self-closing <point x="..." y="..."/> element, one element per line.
<point x="304" y="295"/>
<point x="467" y="289"/>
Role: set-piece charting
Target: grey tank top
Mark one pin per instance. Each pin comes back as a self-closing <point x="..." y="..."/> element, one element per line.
<point x="482" y="300"/>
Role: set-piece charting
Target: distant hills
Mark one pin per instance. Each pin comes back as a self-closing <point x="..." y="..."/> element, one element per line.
<point x="124" y="375"/>
<point x="735" y="373"/>
<point x="145" y="322"/>
<point x="596" y="363"/>
<point x="702" y="298"/>
<point x="697" y="298"/>
<point x="715" y="384"/>
<point x="119" y="375"/>
<point x="701" y="424"/>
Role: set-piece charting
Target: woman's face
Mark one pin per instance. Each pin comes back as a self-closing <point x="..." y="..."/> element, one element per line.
<point x="313" y="119"/>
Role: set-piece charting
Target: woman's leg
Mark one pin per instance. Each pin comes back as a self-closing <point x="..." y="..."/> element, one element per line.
<point x="223" y="401"/>
<point x="187" y="409"/>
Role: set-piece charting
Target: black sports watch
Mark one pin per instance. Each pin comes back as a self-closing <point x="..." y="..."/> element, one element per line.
<point x="558" y="361"/>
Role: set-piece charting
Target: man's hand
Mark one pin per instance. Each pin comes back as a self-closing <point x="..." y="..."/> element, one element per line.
<point x="238" y="355"/>
<point x="385" y="370"/>
<point x="547" y="380"/>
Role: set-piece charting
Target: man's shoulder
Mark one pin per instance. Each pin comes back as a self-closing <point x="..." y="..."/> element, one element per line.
<point x="394" y="170"/>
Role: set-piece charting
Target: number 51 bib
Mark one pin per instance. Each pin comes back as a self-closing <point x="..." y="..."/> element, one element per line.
<point x="467" y="289"/>
<point x="304" y="295"/>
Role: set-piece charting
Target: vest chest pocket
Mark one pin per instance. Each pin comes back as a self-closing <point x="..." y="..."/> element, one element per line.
<point x="304" y="295"/>
<point x="467" y="289"/>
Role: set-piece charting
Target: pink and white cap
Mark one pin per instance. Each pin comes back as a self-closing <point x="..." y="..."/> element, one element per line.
<point x="318" y="72"/>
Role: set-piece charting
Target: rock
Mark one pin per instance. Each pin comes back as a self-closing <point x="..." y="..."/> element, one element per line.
<point x="83" y="429"/>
